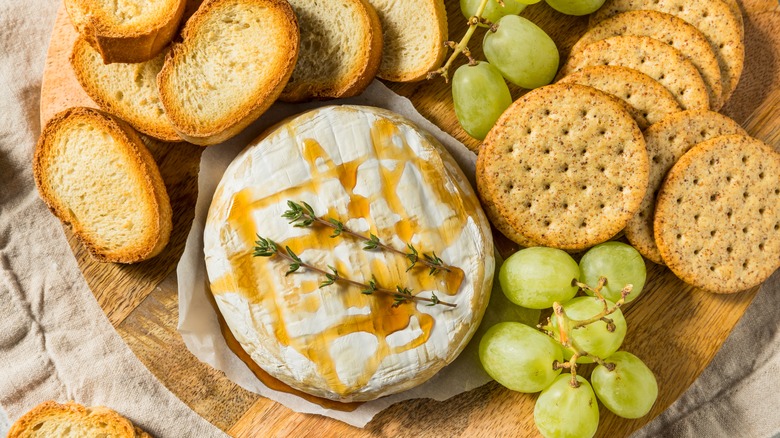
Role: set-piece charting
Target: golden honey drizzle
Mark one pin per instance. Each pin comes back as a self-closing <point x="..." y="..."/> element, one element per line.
<point x="252" y="276"/>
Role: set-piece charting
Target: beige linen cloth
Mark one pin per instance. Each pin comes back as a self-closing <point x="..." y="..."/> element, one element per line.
<point x="56" y="343"/>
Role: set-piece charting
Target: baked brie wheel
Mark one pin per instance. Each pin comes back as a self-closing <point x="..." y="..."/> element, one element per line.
<point x="377" y="173"/>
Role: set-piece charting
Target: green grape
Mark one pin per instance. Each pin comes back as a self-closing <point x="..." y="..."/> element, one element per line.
<point x="594" y="338"/>
<point x="537" y="277"/>
<point x="629" y="390"/>
<point x="562" y="411"/>
<point x="493" y="10"/>
<point x="480" y="96"/>
<point x="522" y="52"/>
<point x="620" y="263"/>
<point x="519" y="357"/>
<point x="575" y="7"/>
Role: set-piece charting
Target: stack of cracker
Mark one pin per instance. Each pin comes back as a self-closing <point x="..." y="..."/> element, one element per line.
<point x="633" y="117"/>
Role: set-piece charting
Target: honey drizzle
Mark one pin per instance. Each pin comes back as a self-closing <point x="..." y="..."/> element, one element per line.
<point x="253" y="275"/>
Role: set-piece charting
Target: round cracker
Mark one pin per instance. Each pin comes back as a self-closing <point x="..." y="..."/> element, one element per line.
<point x="668" y="29"/>
<point x="717" y="218"/>
<point x="658" y="60"/>
<point x="714" y="19"/>
<point x="667" y="141"/>
<point x="648" y="100"/>
<point x="498" y="221"/>
<point x="565" y="166"/>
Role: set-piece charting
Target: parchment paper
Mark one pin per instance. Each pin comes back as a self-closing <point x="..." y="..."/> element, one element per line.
<point x="198" y="322"/>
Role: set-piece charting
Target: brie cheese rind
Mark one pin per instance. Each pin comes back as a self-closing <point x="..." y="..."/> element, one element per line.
<point x="377" y="173"/>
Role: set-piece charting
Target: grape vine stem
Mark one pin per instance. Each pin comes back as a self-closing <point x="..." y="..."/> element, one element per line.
<point x="566" y="324"/>
<point x="462" y="46"/>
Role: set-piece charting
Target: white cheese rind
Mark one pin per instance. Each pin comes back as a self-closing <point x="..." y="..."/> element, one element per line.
<point x="278" y="164"/>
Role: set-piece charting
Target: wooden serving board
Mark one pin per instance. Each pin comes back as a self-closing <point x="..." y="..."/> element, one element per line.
<point x="674" y="328"/>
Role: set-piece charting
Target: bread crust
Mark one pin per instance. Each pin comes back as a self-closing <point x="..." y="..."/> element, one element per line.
<point x="128" y="46"/>
<point x="157" y="233"/>
<point x="73" y="413"/>
<point x="438" y="48"/>
<point x="87" y="78"/>
<point x="228" y="125"/>
<point x="361" y="77"/>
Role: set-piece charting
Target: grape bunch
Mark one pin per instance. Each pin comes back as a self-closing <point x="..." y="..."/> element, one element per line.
<point x="582" y="329"/>
<point x="516" y="50"/>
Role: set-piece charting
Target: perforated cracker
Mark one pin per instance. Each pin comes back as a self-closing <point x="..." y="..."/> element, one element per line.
<point x="666" y="142"/>
<point x="715" y="19"/>
<point x="658" y="60"/>
<point x="565" y="166"/>
<point x="667" y="29"/>
<point x="647" y="99"/>
<point x="717" y="220"/>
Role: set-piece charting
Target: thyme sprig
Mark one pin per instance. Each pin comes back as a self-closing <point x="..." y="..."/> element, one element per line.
<point x="303" y="216"/>
<point x="265" y="247"/>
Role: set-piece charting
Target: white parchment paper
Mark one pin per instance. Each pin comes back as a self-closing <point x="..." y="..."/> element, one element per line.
<point x="198" y="323"/>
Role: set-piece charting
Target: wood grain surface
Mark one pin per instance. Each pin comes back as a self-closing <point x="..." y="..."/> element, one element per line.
<point x="675" y="328"/>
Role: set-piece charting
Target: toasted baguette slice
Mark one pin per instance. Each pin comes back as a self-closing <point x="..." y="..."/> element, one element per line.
<point x="341" y="48"/>
<point x="129" y="91"/>
<point x="95" y="175"/>
<point x="72" y="420"/>
<point x="414" y="33"/>
<point x="128" y="31"/>
<point x="236" y="57"/>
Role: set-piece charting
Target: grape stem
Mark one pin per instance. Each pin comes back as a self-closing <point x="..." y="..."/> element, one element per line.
<point x="565" y="324"/>
<point x="462" y="47"/>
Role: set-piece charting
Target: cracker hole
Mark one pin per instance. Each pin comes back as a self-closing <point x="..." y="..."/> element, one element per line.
<point x="511" y="149"/>
<point x="602" y="169"/>
<point x="583" y="151"/>
<point x="628" y="96"/>
<point x="672" y="137"/>
<point x="744" y="264"/>
<point x="546" y="112"/>
<point x="722" y="45"/>
<point x="713" y="197"/>
<point x="744" y="159"/>
<point x="761" y="246"/>
<point x="584" y="187"/>
<point x="712" y="233"/>
<point x="547" y="151"/>
<point x="547" y="187"/>
<point x="527" y="204"/>
<point x="729" y="250"/>
<point x="683" y="91"/>
<point x="601" y="206"/>
<point x="565" y="168"/>
<point x="777" y="191"/>
<point x="671" y="42"/>
<point x="656" y="159"/>
<point x="696" y="217"/>
<point x="565" y="206"/>
<point x="744" y="230"/>
<point x="620" y="188"/>
<point x="705" y="14"/>
<point x="644" y="114"/>
<point x="583" y="224"/>
<point x="761" y="211"/>
<point x="527" y="168"/>
<point x="621" y="151"/>
<point x="528" y="131"/>
<point x="565" y="132"/>
<point x="696" y="181"/>
<point x="641" y="214"/>
<point x="777" y="226"/>
<point x="703" y="133"/>
<point x="745" y="195"/>
<point x="728" y="179"/>
<point x="712" y="268"/>
<point x="761" y="175"/>
<point x="679" y="236"/>
<point x="696" y="252"/>
<point x="602" y="131"/>
<point x="546" y="223"/>
<point x="642" y="61"/>
<point x="663" y="76"/>
<point x="729" y="214"/>
<point x="681" y="8"/>
<point x="584" y="113"/>
<point x="712" y="161"/>
<point x="679" y="200"/>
